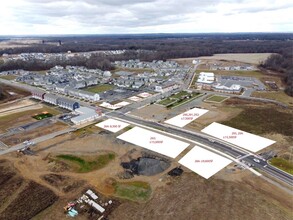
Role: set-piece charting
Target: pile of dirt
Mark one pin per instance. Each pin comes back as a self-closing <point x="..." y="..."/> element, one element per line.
<point x="63" y="183"/>
<point x="146" y="166"/>
<point x="19" y="198"/>
<point x="177" y="171"/>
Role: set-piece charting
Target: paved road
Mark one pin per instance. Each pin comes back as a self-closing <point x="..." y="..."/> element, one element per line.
<point x="228" y="149"/>
<point x="37" y="140"/>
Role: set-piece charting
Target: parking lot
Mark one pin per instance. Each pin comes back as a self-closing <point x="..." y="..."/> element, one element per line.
<point x="246" y="82"/>
<point x="118" y="94"/>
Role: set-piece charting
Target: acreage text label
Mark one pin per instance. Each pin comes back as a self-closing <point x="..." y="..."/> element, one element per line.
<point x="203" y="161"/>
<point x="189" y="116"/>
<point x="153" y="140"/>
<point x="234" y="134"/>
<point x="112" y="126"/>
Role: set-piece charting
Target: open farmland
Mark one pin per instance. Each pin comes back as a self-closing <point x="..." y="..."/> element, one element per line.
<point x="20" y="198"/>
<point x="280" y="96"/>
<point x="262" y="121"/>
<point x="14" y="43"/>
<point x="253" y="58"/>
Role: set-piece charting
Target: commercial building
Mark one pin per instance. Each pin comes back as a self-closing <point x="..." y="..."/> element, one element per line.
<point x="38" y="94"/>
<point x="205" y="80"/>
<point x="166" y="87"/>
<point x="234" y="88"/>
<point x="85" y="114"/>
<point x="50" y="98"/>
<point x="83" y="94"/>
<point x="67" y="103"/>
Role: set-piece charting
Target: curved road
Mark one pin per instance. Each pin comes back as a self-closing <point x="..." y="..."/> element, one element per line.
<point x="216" y="144"/>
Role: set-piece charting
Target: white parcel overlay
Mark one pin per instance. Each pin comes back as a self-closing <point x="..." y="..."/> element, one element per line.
<point x="154" y="141"/>
<point x="135" y="98"/>
<point x="112" y="125"/>
<point x="186" y="117"/>
<point x="144" y="95"/>
<point x="115" y="106"/>
<point x="203" y="162"/>
<point x="240" y="138"/>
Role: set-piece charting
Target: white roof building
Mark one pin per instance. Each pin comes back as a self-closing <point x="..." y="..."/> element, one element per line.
<point x="206" y="77"/>
<point x="85" y="114"/>
<point x="234" y="88"/>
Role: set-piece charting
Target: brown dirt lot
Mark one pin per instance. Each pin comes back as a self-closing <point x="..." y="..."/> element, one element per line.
<point x="221" y="197"/>
<point x="159" y="112"/>
<point x="20" y="198"/>
<point x="23" y="116"/>
<point x="190" y="196"/>
<point x="217" y="112"/>
<point x="18" y="138"/>
<point x="6" y="96"/>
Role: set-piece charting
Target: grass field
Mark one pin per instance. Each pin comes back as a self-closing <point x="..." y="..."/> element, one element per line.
<point x="282" y="164"/>
<point x="262" y="121"/>
<point x="84" y="165"/>
<point x="8" y="77"/>
<point x="254" y="73"/>
<point x="100" y="88"/>
<point x="42" y="116"/>
<point x="216" y="98"/>
<point x="167" y="101"/>
<point x="135" y="191"/>
<point x="253" y="58"/>
<point x="178" y="99"/>
<point x="278" y="96"/>
<point x="179" y="94"/>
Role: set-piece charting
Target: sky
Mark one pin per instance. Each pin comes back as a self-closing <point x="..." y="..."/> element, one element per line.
<point x="42" y="17"/>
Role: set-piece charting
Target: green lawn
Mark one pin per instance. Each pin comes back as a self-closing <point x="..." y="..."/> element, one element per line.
<point x="179" y="99"/>
<point x="179" y="94"/>
<point x="216" y="98"/>
<point x="135" y="191"/>
<point x="100" y="88"/>
<point x="84" y="165"/>
<point x="282" y="164"/>
<point x="42" y="116"/>
<point x="185" y="100"/>
<point x="167" y="101"/>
